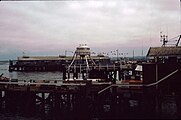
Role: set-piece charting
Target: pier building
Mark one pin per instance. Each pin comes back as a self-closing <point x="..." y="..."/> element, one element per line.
<point x="48" y="63"/>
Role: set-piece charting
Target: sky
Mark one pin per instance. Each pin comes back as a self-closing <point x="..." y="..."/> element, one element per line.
<point x="48" y="28"/>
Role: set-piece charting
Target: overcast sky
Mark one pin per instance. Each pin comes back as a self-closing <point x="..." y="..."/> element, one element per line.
<point x="50" y="28"/>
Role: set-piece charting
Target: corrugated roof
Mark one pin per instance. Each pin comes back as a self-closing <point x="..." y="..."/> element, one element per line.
<point x="164" y="51"/>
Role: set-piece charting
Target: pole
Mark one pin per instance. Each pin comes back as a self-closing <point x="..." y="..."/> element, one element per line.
<point x="65" y="53"/>
<point x="80" y="71"/>
<point x="156" y="74"/>
<point x="117" y="54"/>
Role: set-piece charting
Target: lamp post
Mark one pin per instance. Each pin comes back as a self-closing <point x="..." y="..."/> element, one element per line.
<point x="117" y="54"/>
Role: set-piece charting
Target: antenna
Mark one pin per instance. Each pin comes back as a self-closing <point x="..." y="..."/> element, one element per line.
<point x="133" y="55"/>
<point x="163" y="38"/>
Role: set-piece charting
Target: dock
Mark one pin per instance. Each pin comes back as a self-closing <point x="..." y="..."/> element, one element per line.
<point x="80" y="99"/>
<point x="90" y="98"/>
<point x="89" y="90"/>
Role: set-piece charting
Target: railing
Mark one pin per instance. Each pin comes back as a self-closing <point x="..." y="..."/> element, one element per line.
<point x="139" y="85"/>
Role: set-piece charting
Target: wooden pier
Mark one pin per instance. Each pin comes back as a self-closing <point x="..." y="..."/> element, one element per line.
<point x="48" y="63"/>
<point x="82" y="99"/>
<point x="106" y="92"/>
<point x="33" y="66"/>
<point x="87" y="99"/>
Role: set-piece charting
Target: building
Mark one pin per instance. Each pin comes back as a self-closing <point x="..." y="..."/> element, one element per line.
<point x="165" y="54"/>
<point x="48" y="63"/>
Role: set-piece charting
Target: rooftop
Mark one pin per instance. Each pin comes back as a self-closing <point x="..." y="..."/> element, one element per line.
<point x="32" y="58"/>
<point x="164" y="51"/>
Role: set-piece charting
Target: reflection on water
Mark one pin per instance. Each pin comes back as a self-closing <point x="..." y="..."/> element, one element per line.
<point x="39" y="75"/>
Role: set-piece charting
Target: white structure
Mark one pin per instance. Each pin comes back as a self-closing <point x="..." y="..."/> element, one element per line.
<point x="83" y="50"/>
<point x="82" y="56"/>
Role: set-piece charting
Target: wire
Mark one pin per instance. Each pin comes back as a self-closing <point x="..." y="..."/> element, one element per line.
<point x="174" y="37"/>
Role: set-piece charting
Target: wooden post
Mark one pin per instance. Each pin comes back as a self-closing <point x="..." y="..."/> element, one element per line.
<point x="115" y="74"/>
<point x="68" y="101"/>
<point x="114" y="103"/>
<point x="68" y="75"/>
<point x="30" y="104"/>
<point x="64" y="73"/>
<point x="56" y="106"/>
<point x="106" y="73"/>
<point x="43" y="105"/>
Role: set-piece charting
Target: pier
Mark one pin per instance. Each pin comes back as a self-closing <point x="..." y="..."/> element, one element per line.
<point x="48" y="63"/>
<point x="84" y="100"/>
<point x="97" y="98"/>
<point x="90" y="90"/>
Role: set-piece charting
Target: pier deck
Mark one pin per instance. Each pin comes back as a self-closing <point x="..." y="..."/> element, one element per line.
<point x="83" y="99"/>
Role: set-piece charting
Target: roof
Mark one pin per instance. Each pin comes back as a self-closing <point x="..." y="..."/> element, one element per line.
<point x="164" y="51"/>
<point x="33" y="58"/>
<point x="41" y="58"/>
